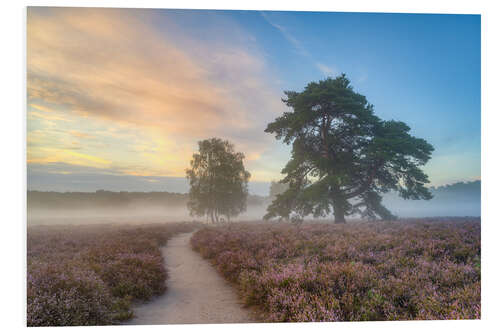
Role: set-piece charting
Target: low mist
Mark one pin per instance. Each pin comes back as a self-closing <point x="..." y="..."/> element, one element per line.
<point x="48" y="208"/>
<point x="460" y="199"/>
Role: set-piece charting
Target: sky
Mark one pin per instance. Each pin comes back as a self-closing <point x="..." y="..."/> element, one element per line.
<point x="117" y="99"/>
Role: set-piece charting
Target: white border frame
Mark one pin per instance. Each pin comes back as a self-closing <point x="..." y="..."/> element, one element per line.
<point x="13" y="89"/>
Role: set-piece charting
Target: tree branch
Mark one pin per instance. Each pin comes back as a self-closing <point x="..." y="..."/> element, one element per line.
<point x="366" y="184"/>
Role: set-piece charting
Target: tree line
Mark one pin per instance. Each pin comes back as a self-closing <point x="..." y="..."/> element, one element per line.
<point x="106" y="199"/>
<point x="109" y="199"/>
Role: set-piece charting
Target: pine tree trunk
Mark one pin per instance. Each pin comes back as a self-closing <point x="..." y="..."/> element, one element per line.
<point x="339" y="213"/>
<point x="338" y="207"/>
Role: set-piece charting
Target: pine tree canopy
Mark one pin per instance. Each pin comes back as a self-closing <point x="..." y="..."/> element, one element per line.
<point x="343" y="156"/>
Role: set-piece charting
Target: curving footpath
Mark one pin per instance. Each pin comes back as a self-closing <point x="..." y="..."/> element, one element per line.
<point x="196" y="293"/>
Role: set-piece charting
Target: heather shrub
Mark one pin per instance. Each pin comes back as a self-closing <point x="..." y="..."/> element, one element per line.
<point x="140" y="276"/>
<point x="62" y="295"/>
<point x="415" y="269"/>
<point x="91" y="275"/>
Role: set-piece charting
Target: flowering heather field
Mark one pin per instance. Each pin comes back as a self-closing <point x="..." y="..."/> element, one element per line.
<point x="90" y="275"/>
<point x="401" y="270"/>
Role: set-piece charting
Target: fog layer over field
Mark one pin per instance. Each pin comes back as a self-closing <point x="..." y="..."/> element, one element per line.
<point x="130" y="214"/>
<point x="120" y="207"/>
<point x="460" y="199"/>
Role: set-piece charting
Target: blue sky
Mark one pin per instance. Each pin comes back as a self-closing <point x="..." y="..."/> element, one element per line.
<point x="421" y="69"/>
<point x="223" y="73"/>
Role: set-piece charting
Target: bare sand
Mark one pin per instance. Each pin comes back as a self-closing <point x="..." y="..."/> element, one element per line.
<point x="196" y="293"/>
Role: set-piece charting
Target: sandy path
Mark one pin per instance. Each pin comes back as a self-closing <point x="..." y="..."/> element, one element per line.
<point x="196" y="293"/>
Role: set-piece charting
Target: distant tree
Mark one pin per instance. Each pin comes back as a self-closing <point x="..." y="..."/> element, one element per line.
<point x="218" y="180"/>
<point x="343" y="156"/>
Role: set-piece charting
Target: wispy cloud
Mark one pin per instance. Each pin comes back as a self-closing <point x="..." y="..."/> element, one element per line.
<point x="111" y="68"/>
<point x="79" y="134"/>
<point x="288" y="36"/>
<point x="46" y="116"/>
<point x="41" y="107"/>
<point x="299" y="47"/>
<point x="363" y="77"/>
<point x="54" y="155"/>
<point x="326" y="70"/>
